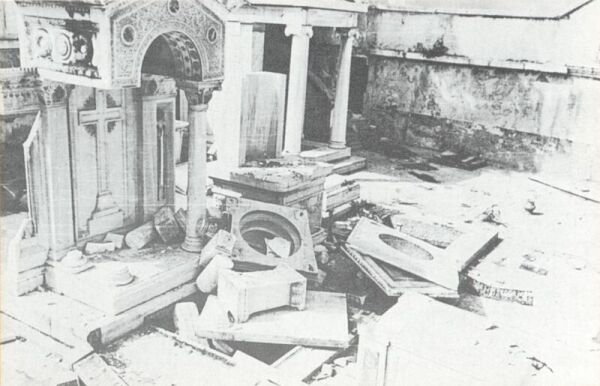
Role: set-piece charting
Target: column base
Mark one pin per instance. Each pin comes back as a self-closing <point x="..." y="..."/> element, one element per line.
<point x="192" y="244"/>
<point x="337" y="145"/>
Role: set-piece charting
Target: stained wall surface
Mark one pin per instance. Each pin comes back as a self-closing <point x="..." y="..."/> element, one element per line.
<point x="511" y="89"/>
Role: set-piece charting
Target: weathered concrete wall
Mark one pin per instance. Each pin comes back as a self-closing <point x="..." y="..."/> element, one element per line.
<point x="509" y="116"/>
<point x="570" y="41"/>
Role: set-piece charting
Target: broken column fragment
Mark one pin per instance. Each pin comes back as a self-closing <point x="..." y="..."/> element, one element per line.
<point x="243" y="294"/>
<point x="141" y="236"/>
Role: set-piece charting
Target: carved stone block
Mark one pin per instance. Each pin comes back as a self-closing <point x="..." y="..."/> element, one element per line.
<point x="254" y="222"/>
<point x="243" y="294"/>
<point x="410" y="254"/>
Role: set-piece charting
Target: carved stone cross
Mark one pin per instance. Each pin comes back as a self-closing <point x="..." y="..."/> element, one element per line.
<point x="101" y="122"/>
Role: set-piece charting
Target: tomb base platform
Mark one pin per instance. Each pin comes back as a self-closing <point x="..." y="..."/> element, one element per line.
<point x="109" y="288"/>
<point x="78" y="325"/>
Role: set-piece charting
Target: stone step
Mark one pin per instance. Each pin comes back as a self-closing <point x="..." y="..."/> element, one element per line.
<point x="326" y="154"/>
<point x="349" y="165"/>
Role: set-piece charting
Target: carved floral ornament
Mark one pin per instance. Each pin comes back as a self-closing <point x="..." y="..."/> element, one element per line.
<point x="199" y="94"/>
<point x="53" y="94"/>
<point x="62" y="45"/>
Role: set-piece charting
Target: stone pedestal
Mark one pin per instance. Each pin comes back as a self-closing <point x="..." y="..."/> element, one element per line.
<point x="294" y="186"/>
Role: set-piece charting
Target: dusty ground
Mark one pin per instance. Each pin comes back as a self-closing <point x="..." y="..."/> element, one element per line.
<point x="561" y="234"/>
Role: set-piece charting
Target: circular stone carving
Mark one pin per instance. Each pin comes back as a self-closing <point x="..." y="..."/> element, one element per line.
<point x="258" y="225"/>
<point x="173" y="6"/>
<point x="63" y="47"/>
<point x="128" y="34"/>
<point x="42" y="42"/>
<point x="212" y="35"/>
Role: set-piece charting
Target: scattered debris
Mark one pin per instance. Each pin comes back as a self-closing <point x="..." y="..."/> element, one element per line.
<point x="278" y="247"/>
<point x="484" y="284"/>
<point x="115" y="238"/>
<point x="492" y="215"/>
<point x="8" y="338"/>
<point x="461" y="161"/>
<point x="93" y="248"/>
<point x="424" y="177"/>
<point x="322" y="254"/>
<point x="300" y="362"/>
<point x="327" y="371"/>
<point x="184" y="316"/>
<point x="244" y="294"/>
<point x="221" y="243"/>
<point x="167" y="226"/>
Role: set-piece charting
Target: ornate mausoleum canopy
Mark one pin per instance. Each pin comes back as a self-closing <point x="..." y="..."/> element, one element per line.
<point x="102" y="43"/>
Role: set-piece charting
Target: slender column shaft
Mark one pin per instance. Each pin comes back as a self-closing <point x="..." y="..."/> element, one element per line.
<point x="296" y="102"/>
<point x="196" y="191"/>
<point x="339" y="122"/>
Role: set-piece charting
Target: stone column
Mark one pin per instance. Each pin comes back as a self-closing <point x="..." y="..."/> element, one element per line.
<point x="198" y="99"/>
<point x="337" y="140"/>
<point x="258" y="46"/>
<point x="296" y="101"/>
<point x="56" y="161"/>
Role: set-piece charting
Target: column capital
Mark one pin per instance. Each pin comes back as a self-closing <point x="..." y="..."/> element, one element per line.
<point x="348" y="33"/>
<point x="54" y="94"/>
<point x="198" y="93"/>
<point x="299" y="30"/>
